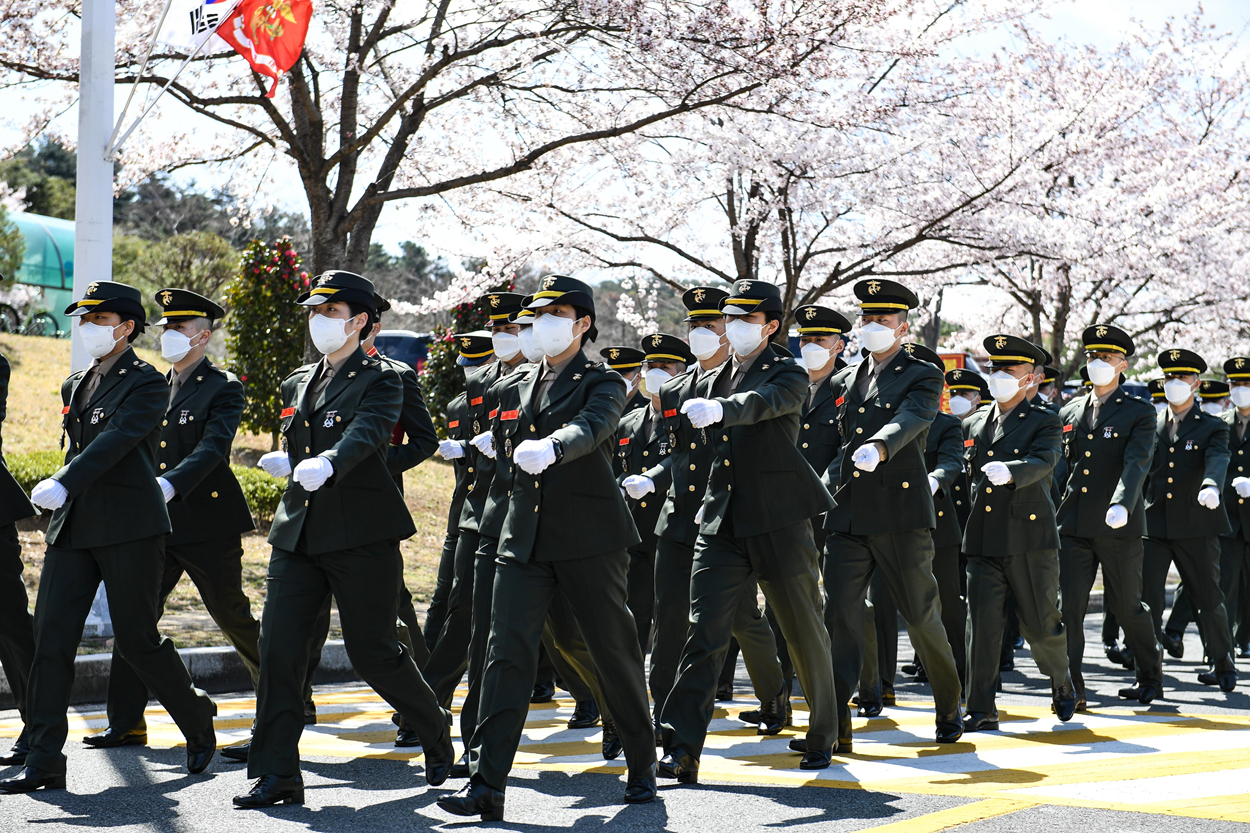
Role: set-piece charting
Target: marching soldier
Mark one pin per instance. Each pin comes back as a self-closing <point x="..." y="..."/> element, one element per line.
<point x="1109" y="439"/>
<point x="883" y="513"/>
<point x="754" y="525"/>
<point x="1050" y="387"/>
<point x="1011" y="539"/>
<point x="627" y="361"/>
<point x="112" y="418"/>
<point x="1184" y="518"/>
<point x="1213" y="394"/>
<point x="336" y="530"/>
<point x="207" y="509"/>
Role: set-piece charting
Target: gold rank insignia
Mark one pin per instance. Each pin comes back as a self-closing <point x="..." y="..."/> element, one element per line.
<point x="1000" y="342"/>
<point x="167" y="298"/>
<point x="699" y="295"/>
<point x="811" y="313"/>
<point x="1239" y="363"/>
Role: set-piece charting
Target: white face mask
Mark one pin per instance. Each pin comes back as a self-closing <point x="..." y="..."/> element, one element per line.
<point x="654" y="379"/>
<point x="97" y="339"/>
<point x="1043" y="397"/>
<point x="1003" y="386"/>
<point x="328" y="334"/>
<point x="1100" y="373"/>
<point x="175" y="345"/>
<point x="815" y="357"/>
<point x="704" y="343"/>
<point x="1160" y="407"/>
<point x="960" y="406"/>
<point x="506" y="345"/>
<point x="744" y="337"/>
<point x="1240" y="396"/>
<point x="533" y="353"/>
<point x="553" y="334"/>
<point x="1213" y="408"/>
<point x="1176" y="391"/>
<point x="876" y="337"/>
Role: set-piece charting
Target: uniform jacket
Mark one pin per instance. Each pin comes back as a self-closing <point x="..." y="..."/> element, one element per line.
<point x="503" y="397"/>
<point x="1018" y="517"/>
<point x="1238" y="466"/>
<point x="458" y="429"/>
<point x="897" y="411"/>
<point x="637" y="454"/>
<point x="759" y="480"/>
<point x="1197" y="458"/>
<point x="638" y="400"/>
<point x="574" y="508"/>
<point x="482" y="468"/>
<point x="414" y="438"/>
<point x="687" y="464"/>
<point x="943" y="455"/>
<point x="819" y="439"/>
<point x="350" y="424"/>
<point x="14" y="504"/>
<point x="1106" y="465"/>
<point x="110" y="462"/>
<point x="194" y="456"/>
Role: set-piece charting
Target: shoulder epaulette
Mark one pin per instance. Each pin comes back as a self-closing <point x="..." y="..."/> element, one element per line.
<point x="305" y="368"/>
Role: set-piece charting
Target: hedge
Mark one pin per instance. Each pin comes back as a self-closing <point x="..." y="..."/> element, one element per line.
<point x="263" y="491"/>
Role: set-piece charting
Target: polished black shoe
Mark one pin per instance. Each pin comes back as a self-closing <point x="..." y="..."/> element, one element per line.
<point x="406" y="738"/>
<point x="310" y="714"/>
<point x="1208" y="677"/>
<point x="1174" y="643"/>
<point x="724" y="692"/>
<point x="911" y="667"/>
<point x="1119" y="654"/>
<point x="31" y="779"/>
<point x="474" y="799"/>
<point x="460" y="769"/>
<point x="1081" y="705"/>
<point x="238" y="752"/>
<point x="585" y="715"/>
<point x="543" y="693"/>
<point x="1143" y="693"/>
<point x="111" y="738"/>
<point x="200" y="751"/>
<point x="1063" y="699"/>
<point x="952" y="732"/>
<point x="773" y="715"/>
<point x="1227" y="680"/>
<point x="1243" y="650"/>
<point x="439" y="760"/>
<point x="869" y="708"/>
<point x="18" y="752"/>
<point x="612" y="746"/>
<point x="1018" y="643"/>
<point x="816" y="759"/>
<point x="642" y="788"/>
<point x="269" y="790"/>
<point x="798" y="745"/>
<point x="922" y="676"/>
<point x="887" y="694"/>
<point x="678" y="763"/>
<point x="751" y="716"/>
<point x="976" y="722"/>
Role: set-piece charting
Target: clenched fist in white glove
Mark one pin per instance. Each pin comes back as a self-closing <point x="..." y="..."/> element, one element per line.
<point x="313" y="473"/>
<point x="1117" y="516"/>
<point x="49" y="494"/>
<point x="866" y="457"/>
<point x="276" y="463"/>
<point x="997" y="473"/>
<point x="1209" y="497"/>
<point x="934" y="485"/>
<point x="485" y="443"/>
<point x="1242" y="486"/>
<point x="638" y="485"/>
<point x="167" y="489"/>
<point x="534" y="456"/>
<point x="450" y="449"/>
<point x="703" y="412"/>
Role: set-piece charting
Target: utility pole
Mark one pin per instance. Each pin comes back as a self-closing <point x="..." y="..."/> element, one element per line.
<point x="93" y="207"/>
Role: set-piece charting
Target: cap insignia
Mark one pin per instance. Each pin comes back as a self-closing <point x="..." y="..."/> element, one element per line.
<point x="1000" y="342"/>
<point x="874" y="287"/>
<point x="614" y="353"/>
<point x="1100" y="331"/>
<point x="1174" y="354"/>
<point x="811" y="313"/>
<point x="699" y="295"/>
<point x="549" y="282"/>
<point x="466" y="342"/>
<point x="167" y="298"/>
<point x="657" y="340"/>
<point x="93" y="288"/>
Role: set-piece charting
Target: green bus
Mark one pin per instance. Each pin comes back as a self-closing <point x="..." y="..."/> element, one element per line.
<point x="44" y="285"/>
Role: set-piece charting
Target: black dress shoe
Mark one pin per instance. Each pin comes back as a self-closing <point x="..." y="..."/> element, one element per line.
<point x="1243" y="650"/>
<point x="951" y="732"/>
<point x="922" y="676"/>
<point x="585" y="715"/>
<point x="31" y="779"/>
<point x="238" y="752"/>
<point x="474" y="799"/>
<point x="911" y="667"/>
<point x="798" y="745"/>
<point x="1227" y="680"/>
<point x="977" y="722"/>
<point x="461" y="768"/>
<point x="20" y="749"/>
<point x="1018" y="643"/>
<point x="439" y="760"/>
<point x="724" y="692"/>
<point x="642" y="788"/>
<point x="678" y="763"/>
<point x="111" y="738"/>
<point x="200" y="751"/>
<point x="1143" y="693"/>
<point x="751" y="716"/>
<point x="1174" y="643"/>
<point x="816" y="759"/>
<point x="269" y="790"/>
<point x="773" y="715"/>
<point x="1063" y="699"/>
<point x="1008" y="665"/>
<point x="543" y="693"/>
<point x="869" y="708"/>
<point x="310" y="714"/>
<point x="611" y="746"/>
<point x="406" y="738"/>
<point x="887" y="694"/>
<point x="1119" y="654"/>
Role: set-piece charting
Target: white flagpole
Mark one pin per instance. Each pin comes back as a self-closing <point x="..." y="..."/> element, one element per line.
<point x="112" y="154"/>
<point x="121" y="117"/>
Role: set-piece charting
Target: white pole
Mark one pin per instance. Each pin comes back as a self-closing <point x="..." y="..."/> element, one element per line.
<point x="93" y="208"/>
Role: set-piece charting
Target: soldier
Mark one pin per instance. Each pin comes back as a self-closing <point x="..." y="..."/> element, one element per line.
<point x="17" y="636"/>
<point x="1050" y="387"/>
<point x="627" y="361"/>
<point x="754" y="525"/>
<point x="111" y="414"/>
<point x="566" y="529"/>
<point x="336" y="530"/>
<point x="884" y="511"/>
<point x="1213" y="394"/>
<point x="1109" y="439"/>
<point x="1157" y="397"/>
<point x="1184" y="518"/>
<point x="1011" y="539"/>
<point x="207" y="509"/>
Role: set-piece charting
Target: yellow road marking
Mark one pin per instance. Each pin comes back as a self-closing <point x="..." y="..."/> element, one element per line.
<point x="954" y="816"/>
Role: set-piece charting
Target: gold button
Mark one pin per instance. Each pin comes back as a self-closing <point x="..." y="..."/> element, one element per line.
<point x="534" y="430"/>
<point x="724" y="437"/>
<point x="1087" y="454"/>
<point x="338" y="419"/>
<point x="535" y="508"/>
<point x="1169" y="495"/>
<point x="1032" y="517"/>
<point x="692" y="488"/>
<point x="214" y="494"/>
<point x="162" y="465"/>
<point x="1169" y="480"/>
<point x="1170" y="450"/>
<point x="861" y="410"/>
<point x="307" y="450"/>
<point x="855" y="474"/>
<point x="805" y="445"/>
<point x="692" y="445"/>
<point x="989" y="490"/>
<point x="959" y="503"/>
<point x="643" y="504"/>
<point x="906" y="485"/>
<point x="305" y="423"/>
<point x="859" y="430"/>
<point x="939" y="513"/>
<point x="693" y="466"/>
<point x="1085" y="471"/>
<point x="726" y="462"/>
<point x="730" y="487"/>
<point x="989" y="454"/>
<point x="645" y="453"/>
<point x="1084" y="489"/>
<point x="1089" y="436"/>
<point x="535" y="484"/>
<point x="1171" y="465"/>
<point x="887" y="404"/>
<point x="470" y="469"/>
<point x="305" y="503"/>
<point x="470" y="488"/>
<point x="162" y="443"/>
<point x="988" y="508"/>
<point x="163" y="421"/>
<point x="805" y="425"/>
<point x="190" y="417"/>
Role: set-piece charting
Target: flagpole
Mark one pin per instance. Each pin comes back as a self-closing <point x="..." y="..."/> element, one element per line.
<point x="121" y="117"/>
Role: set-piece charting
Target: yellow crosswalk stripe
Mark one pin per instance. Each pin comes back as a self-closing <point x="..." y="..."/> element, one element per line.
<point x="954" y="816"/>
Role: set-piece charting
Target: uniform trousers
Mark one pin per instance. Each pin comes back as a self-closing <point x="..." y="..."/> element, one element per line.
<point x="595" y="589"/>
<point x="905" y="559"/>
<point x="17" y="634"/>
<point x="131" y="573"/>
<point x="365" y="584"/>
<point x="1198" y="562"/>
<point x="450" y="657"/>
<point x="1234" y="563"/>
<point x="1032" y="578"/>
<point x="216" y="569"/>
<point x="786" y="565"/>
<point x="436" y="614"/>
<point x="1121" y="560"/>
<point x="642" y="592"/>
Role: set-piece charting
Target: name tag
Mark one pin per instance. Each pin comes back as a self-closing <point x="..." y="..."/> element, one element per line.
<point x="286" y="412"/>
<point x="492" y="413"/>
<point x="65" y="410"/>
<point x="477" y="400"/>
<point x="510" y="415"/>
<point x="623" y="441"/>
<point x="455" y="423"/>
<point x="671" y="412"/>
<point x="838" y="402"/>
<point x="1067" y="428"/>
<point x="969" y="443"/>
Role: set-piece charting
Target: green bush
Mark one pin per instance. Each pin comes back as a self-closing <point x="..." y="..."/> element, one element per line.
<point x="29" y="469"/>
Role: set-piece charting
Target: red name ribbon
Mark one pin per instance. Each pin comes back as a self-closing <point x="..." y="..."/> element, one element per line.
<point x="510" y="415"/>
<point x="476" y="401"/>
<point x="65" y="410"/>
<point x="1067" y="428"/>
<point x="455" y="423"/>
<point x="623" y="441"/>
<point x="838" y="402"/>
<point x="492" y="413"/>
<point x="397" y="436"/>
<point x="969" y="443"/>
<point x="286" y="412"/>
<point x="671" y="412"/>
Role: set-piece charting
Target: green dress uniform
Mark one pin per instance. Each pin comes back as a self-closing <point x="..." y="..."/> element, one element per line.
<point x="1108" y="459"/>
<point x="642" y="443"/>
<point x="624" y="360"/>
<point x="458" y="428"/>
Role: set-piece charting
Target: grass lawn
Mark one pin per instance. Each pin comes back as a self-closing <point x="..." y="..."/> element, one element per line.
<point x="33" y="424"/>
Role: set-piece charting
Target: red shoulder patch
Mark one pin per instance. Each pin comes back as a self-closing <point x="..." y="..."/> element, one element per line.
<point x="286" y="412"/>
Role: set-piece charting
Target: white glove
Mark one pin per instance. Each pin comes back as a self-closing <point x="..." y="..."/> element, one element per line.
<point x="997" y="473"/>
<point x="167" y="488"/>
<point x="934" y="485"/>
<point x="1242" y="485"/>
<point x="1209" y="497"/>
<point x="638" y="485"/>
<point x="276" y="463"/>
<point x="534" y="456"/>
<point x="313" y="473"/>
<point x="485" y="443"/>
<point x="867" y="457"/>
<point x="698" y="516"/>
<point x="49" y="494"/>
<point x="450" y="449"/>
<point x="702" y="412"/>
<point x="1117" y="516"/>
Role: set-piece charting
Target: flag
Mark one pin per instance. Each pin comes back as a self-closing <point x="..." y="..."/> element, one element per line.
<point x="189" y="23"/>
<point x="269" y="34"/>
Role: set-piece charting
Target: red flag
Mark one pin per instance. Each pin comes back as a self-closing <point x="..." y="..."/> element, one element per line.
<point x="269" y="34"/>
